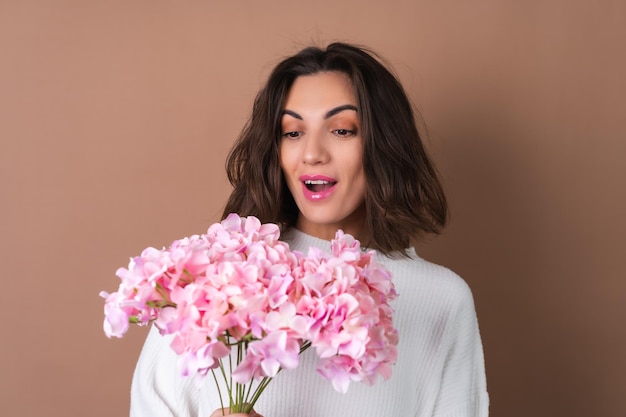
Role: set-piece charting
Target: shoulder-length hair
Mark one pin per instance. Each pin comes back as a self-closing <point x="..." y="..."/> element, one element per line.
<point x="404" y="199"/>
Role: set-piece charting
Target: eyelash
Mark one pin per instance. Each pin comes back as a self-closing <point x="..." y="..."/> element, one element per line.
<point x="342" y="133"/>
<point x="294" y="134"/>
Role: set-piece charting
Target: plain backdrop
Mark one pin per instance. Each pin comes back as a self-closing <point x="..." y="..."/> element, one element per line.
<point x="116" y="117"/>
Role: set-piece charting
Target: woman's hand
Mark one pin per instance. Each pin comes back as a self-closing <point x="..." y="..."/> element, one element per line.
<point x="226" y="412"/>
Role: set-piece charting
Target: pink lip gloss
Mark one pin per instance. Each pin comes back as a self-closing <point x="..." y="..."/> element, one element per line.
<point x="327" y="183"/>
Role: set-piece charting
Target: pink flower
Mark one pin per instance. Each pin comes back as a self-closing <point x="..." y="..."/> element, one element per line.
<point x="287" y="319"/>
<point x="117" y="316"/>
<point x="340" y="371"/>
<point x="266" y="356"/>
<point x="238" y="286"/>
<point x="203" y="359"/>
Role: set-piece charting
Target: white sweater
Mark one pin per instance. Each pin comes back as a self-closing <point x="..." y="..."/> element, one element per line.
<point x="440" y="370"/>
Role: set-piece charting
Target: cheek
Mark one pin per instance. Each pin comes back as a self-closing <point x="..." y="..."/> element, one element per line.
<point x="355" y="162"/>
<point x="281" y="157"/>
<point x="284" y="163"/>
<point x="287" y="158"/>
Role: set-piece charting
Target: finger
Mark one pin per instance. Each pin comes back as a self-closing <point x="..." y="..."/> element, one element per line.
<point x="220" y="412"/>
<point x="226" y="412"/>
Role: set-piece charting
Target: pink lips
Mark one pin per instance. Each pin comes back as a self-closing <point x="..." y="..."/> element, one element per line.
<point x="325" y="186"/>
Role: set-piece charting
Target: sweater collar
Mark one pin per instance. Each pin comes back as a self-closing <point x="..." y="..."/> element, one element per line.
<point x="301" y="241"/>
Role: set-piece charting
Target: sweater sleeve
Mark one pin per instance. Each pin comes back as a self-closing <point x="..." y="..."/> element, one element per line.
<point x="157" y="389"/>
<point x="463" y="391"/>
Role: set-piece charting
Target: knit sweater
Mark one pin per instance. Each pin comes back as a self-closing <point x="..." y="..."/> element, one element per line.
<point x="439" y="373"/>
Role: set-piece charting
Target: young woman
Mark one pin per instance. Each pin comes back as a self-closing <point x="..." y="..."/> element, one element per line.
<point x="332" y="144"/>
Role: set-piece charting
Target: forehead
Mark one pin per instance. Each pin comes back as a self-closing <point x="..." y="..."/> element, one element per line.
<point x="322" y="89"/>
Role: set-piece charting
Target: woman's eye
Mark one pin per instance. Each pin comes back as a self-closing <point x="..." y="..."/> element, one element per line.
<point x="291" y="135"/>
<point x="344" y="133"/>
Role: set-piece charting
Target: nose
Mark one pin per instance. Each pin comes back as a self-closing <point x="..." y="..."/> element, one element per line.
<point x="315" y="151"/>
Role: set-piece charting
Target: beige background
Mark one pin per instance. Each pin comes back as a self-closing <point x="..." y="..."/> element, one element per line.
<point x="116" y="116"/>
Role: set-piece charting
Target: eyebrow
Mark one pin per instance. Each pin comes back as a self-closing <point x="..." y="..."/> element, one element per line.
<point x="330" y="113"/>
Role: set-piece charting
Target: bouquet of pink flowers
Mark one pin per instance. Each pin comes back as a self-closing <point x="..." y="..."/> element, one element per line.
<point x="238" y="293"/>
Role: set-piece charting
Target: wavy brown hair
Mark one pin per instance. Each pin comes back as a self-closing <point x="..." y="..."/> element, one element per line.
<point x="404" y="199"/>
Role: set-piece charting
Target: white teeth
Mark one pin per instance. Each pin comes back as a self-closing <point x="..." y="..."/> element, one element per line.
<point x="316" y="182"/>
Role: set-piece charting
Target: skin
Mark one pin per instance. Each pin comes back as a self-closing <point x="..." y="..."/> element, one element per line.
<point x="321" y="138"/>
<point x="218" y="413"/>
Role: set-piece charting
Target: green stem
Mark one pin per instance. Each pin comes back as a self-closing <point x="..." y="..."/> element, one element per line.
<point x="242" y="346"/>
<point x="230" y="378"/>
<point x="245" y="397"/>
<point x="305" y="346"/>
<point x="228" y="386"/>
<point x="219" y="391"/>
<point x="257" y="393"/>
<point x="266" y="381"/>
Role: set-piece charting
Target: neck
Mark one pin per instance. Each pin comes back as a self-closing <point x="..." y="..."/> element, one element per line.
<point x="355" y="226"/>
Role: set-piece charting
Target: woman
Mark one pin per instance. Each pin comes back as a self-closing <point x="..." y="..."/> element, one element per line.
<point x="332" y="144"/>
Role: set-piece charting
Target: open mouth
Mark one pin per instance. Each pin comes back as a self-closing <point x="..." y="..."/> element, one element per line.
<point x="317" y="186"/>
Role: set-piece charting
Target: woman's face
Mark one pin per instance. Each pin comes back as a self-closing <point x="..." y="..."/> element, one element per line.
<point x="321" y="153"/>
